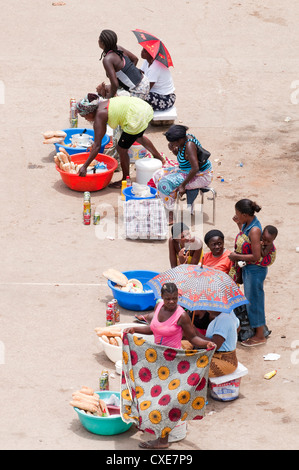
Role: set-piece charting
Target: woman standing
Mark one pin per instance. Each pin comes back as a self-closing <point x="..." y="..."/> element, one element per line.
<point x="253" y="274"/>
<point x="131" y="114"/>
<point x="194" y="169"/>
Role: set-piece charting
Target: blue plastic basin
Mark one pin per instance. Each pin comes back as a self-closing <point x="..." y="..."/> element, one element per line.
<point x="132" y="300"/>
<point x="128" y="194"/>
<point x="76" y="130"/>
<point x="106" y="426"/>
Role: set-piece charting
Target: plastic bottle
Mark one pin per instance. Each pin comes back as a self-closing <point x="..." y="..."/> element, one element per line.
<point x="104" y="380"/>
<point x="86" y="208"/>
<point x="271" y="374"/>
<point x="129" y="182"/>
<point x="123" y="186"/>
<point x="73" y="113"/>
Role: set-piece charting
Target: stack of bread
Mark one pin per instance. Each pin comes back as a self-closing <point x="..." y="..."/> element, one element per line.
<point x="54" y="137"/>
<point x="64" y="161"/>
<point x="89" y="401"/>
<point x="122" y="282"/>
<point x="111" y="335"/>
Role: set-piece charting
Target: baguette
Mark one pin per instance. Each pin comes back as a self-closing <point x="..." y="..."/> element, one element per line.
<point x="48" y="134"/>
<point x="54" y="140"/>
<point x="118" y="340"/>
<point x="105" y="338"/>
<point x="61" y="149"/>
<point x="108" y="331"/>
<point x="104" y="408"/>
<point x="87" y="390"/>
<point x="113" y="341"/>
<point x="84" y="406"/>
<point x="93" y="399"/>
<point x="63" y="157"/>
<point x="60" y="134"/>
<point x="57" y="161"/>
<point x="66" y="167"/>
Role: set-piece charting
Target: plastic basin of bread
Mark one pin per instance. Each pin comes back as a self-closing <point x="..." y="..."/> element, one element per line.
<point x="104" y="426"/>
<point x="135" y="301"/>
<point x="90" y="182"/>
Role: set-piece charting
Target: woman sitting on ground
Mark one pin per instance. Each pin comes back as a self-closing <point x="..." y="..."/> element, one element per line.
<point x="218" y="257"/>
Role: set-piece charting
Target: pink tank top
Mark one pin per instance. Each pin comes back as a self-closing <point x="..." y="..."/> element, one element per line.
<point x="167" y="333"/>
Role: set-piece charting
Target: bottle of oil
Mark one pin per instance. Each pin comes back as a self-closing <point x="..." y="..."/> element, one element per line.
<point x="104" y="380"/>
<point x="86" y="208"/>
<point x="73" y="113"/>
<point x="123" y="186"/>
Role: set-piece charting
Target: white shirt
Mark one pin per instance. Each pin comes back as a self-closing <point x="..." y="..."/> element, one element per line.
<point x="160" y="75"/>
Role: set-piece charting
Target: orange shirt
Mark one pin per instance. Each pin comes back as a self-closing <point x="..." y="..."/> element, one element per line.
<point x="223" y="263"/>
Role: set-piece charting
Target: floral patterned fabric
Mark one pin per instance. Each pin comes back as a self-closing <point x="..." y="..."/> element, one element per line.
<point x="161" y="386"/>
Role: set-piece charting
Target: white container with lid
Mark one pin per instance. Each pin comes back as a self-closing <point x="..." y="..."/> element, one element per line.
<point x="145" y="168"/>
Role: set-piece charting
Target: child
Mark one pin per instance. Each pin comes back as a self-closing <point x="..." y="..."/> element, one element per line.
<point x="268" y="249"/>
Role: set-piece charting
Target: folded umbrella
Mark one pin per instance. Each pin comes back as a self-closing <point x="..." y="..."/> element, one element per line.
<point x="201" y="288"/>
<point x="153" y="46"/>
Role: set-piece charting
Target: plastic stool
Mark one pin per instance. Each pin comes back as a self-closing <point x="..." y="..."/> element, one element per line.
<point x="213" y="198"/>
<point x="164" y="118"/>
<point x="192" y="195"/>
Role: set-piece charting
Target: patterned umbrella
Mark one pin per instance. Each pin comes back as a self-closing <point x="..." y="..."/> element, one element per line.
<point x="201" y="288"/>
<point x="153" y="46"/>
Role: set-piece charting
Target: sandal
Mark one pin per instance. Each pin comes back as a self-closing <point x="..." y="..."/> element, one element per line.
<point x="250" y="342"/>
<point x="115" y="185"/>
<point x="141" y="319"/>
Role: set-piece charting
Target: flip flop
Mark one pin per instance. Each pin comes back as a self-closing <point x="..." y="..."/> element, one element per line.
<point x="116" y="185"/>
<point x="250" y="342"/>
<point x="143" y="320"/>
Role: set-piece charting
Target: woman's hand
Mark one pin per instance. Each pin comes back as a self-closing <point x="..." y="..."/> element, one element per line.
<point x="233" y="256"/>
<point x="181" y="189"/>
<point x="82" y="171"/>
<point x="211" y="345"/>
<point x="183" y="256"/>
<point x="130" y="330"/>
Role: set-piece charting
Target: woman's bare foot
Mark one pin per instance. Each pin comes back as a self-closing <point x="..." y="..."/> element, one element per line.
<point x="160" y="443"/>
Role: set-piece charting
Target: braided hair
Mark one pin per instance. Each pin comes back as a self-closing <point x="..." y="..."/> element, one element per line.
<point x="109" y="39"/>
<point x="169" y="287"/>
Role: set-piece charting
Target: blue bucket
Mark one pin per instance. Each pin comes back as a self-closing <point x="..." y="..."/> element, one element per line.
<point x="74" y="150"/>
<point x="128" y="194"/>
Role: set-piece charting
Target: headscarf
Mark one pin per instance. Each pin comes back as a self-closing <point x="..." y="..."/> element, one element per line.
<point x="88" y="104"/>
<point x="211" y="234"/>
<point x="176" y="132"/>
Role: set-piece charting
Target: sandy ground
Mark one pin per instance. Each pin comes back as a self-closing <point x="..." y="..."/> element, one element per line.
<point x="236" y="73"/>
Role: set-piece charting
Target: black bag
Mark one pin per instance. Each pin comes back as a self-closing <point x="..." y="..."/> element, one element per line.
<point x="245" y="329"/>
<point x="203" y="155"/>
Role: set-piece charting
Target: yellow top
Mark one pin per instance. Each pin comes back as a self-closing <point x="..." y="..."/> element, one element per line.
<point x="131" y="114"/>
